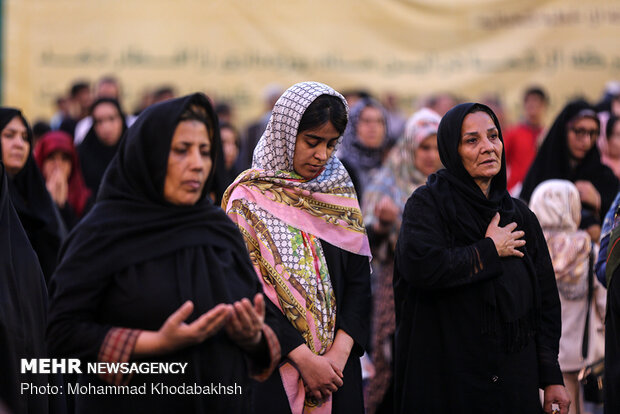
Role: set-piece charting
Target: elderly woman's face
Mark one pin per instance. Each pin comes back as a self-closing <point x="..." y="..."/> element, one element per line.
<point x="189" y="163"/>
<point x="581" y="137"/>
<point x="313" y="148"/>
<point x="108" y="123"/>
<point x="15" y="145"/>
<point x="480" y="147"/>
<point x="371" y="127"/>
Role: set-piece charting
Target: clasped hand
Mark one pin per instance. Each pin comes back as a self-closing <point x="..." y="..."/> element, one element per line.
<point x="323" y="375"/>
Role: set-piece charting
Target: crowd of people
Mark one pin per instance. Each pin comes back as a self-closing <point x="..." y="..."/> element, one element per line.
<point x="332" y="256"/>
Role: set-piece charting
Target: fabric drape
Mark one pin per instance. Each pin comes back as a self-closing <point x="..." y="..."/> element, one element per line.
<point x="23" y="301"/>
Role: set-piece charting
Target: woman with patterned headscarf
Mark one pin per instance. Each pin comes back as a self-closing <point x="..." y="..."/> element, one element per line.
<point x="303" y="227"/>
<point x="408" y="165"/>
<point x="558" y="209"/>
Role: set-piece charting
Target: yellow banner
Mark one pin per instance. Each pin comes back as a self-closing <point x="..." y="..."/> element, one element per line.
<point x="232" y="49"/>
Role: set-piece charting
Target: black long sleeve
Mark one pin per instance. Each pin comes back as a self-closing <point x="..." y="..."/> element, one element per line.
<point x="430" y="262"/>
<point x="350" y="275"/>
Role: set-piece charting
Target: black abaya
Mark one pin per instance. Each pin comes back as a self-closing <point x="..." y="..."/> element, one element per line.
<point x="23" y="300"/>
<point x="136" y="258"/>
<point x="612" y="345"/>
<point x="475" y="333"/>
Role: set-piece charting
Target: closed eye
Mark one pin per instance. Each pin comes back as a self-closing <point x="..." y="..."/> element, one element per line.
<point x="312" y="143"/>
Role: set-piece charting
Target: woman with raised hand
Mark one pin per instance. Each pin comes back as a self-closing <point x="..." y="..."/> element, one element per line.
<point x="58" y="161"/>
<point x="157" y="273"/>
<point x="300" y="217"/>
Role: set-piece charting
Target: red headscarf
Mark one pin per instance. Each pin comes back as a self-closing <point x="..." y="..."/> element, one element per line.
<point x="61" y="141"/>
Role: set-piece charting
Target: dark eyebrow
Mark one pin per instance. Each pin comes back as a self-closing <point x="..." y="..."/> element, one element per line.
<point x="188" y="144"/>
<point x="12" y="129"/>
<point x="475" y="133"/>
<point x="321" y="138"/>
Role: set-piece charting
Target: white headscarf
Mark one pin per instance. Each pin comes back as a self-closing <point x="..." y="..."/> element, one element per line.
<point x="557" y="205"/>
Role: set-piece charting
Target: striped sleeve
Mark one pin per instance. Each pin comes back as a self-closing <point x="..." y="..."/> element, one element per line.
<point x="117" y="346"/>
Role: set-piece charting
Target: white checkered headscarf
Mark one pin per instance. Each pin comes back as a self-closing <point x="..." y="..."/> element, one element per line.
<point x="276" y="148"/>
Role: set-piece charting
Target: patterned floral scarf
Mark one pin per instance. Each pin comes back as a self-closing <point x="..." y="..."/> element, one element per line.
<point x="282" y="217"/>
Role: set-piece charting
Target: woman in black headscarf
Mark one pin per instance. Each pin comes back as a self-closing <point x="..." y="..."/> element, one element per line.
<point x="365" y="142"/>
<point x="33" y="204"/>
<point x="23" y="298"/>
<point x="101" y="141"/>
<point x="155" y="252"/>
<point x="477" y="308"/>
<point x="569" y="152"/>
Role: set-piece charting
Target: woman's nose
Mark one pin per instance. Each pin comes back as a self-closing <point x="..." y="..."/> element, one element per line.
<point x="321" y="153"/>
<point x="20" y="143"/>
<point x="195" y="160"/>
<point x="487" y="145"/>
